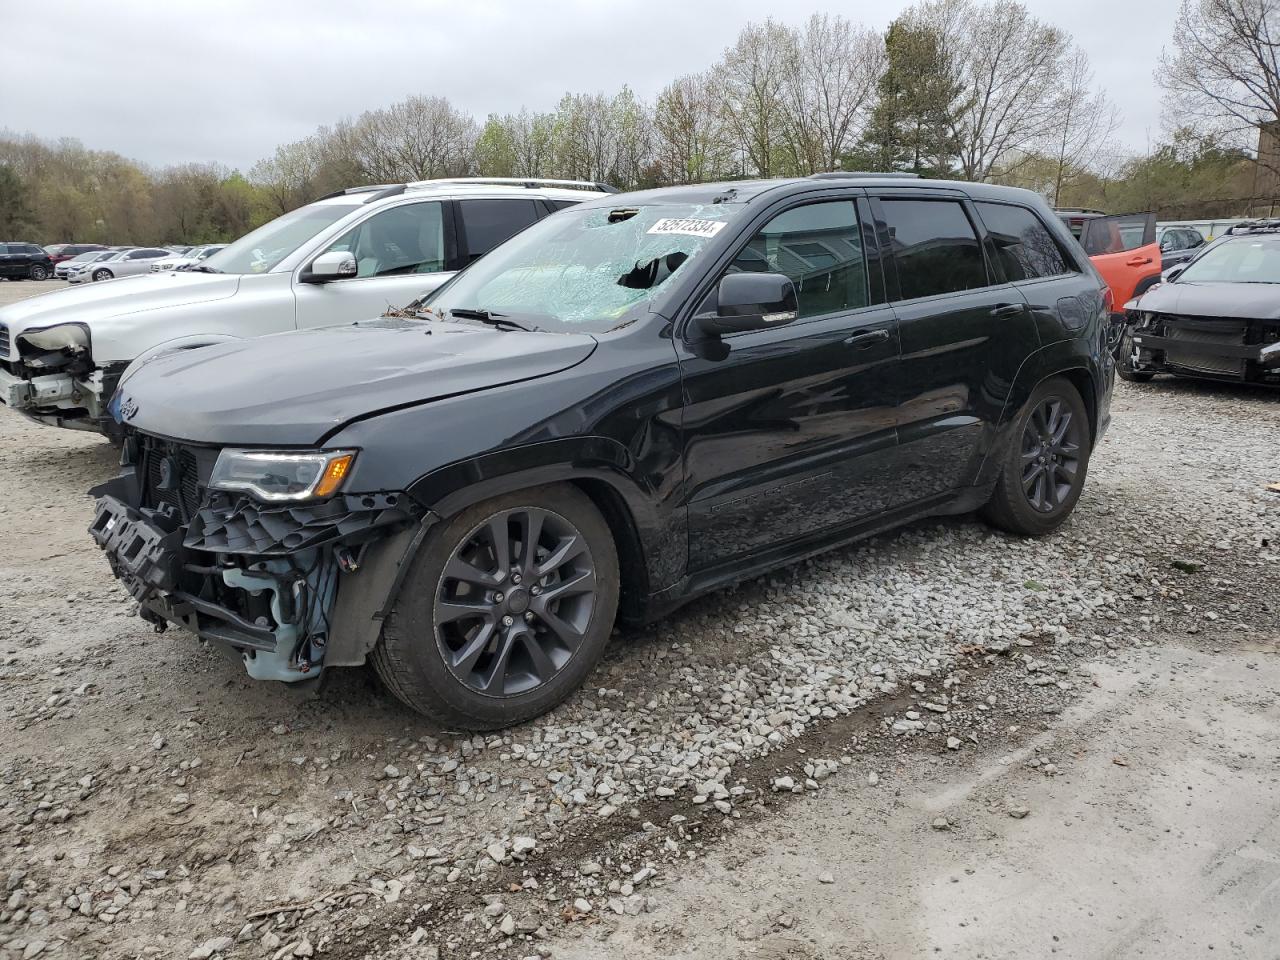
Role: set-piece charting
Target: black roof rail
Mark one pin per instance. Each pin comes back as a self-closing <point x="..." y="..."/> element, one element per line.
<point x="393" y="191"/>
<point x="844" y="174"/>
<point x="372" y="188"/>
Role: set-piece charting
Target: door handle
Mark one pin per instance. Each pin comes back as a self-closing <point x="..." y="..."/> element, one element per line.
<point x="866" y="338"/>
<point x="1009" y="310"/>
<point x="1137" y="261"/>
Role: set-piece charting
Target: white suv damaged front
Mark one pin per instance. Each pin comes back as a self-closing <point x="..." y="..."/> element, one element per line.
<point x="62" y="354"/>
<point x="347" y="257"/>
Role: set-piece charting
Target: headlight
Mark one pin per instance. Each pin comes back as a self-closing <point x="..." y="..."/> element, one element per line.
<point x="277" y="475"/>
<point x="65" y="336"/>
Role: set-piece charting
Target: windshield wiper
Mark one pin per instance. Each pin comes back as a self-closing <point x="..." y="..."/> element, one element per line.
<point x="499" y="320"/>
<point x="203" y="268"/>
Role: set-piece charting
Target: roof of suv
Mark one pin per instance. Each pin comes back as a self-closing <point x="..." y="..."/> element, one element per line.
<point x="576" y="190"/>
<point x="742" y="191"/>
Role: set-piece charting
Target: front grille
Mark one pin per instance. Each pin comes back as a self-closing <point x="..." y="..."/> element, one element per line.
<point x="1190" y="358"/>
<point x="4" y="340"/>
<point x="171" y="477"/>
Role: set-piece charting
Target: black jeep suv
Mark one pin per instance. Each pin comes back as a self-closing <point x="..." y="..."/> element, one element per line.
<point x="629" y="403"/>
<point x="23" y="261"/>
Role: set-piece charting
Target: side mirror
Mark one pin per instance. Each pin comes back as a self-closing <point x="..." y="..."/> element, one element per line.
<point x="749" y="301"/>
<point x="330" y="266"/>
<point x="1166" y="245"/>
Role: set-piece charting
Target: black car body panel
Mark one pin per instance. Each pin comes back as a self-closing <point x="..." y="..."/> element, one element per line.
<point x="297" y="391"/>
<point x="711" y="458"/>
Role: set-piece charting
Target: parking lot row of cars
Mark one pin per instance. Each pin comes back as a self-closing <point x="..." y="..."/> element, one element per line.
<point x="86" y="262"/>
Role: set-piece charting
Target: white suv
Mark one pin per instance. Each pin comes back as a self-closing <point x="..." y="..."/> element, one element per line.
<point x="346" y="257"/>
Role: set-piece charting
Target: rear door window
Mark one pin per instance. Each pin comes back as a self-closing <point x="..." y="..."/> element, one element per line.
<point x="935" y="246"/>
<point x="486" y="223"/>
<point x="1026" y="248"/>
<point x="1118" y="234"/>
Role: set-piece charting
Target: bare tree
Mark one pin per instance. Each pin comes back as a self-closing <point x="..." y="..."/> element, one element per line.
<point x="829" y="80"/>
<point x="689" y="139"/>
<point x="751" y="76"/>
<point x="1224" y="73"/>
<point x="1009" y="66"/>
<point x="417" y="139"/>
<point x="1084" y="122"/>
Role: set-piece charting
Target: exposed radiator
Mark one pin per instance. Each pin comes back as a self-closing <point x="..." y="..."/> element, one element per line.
<point x="1192" y="359"/>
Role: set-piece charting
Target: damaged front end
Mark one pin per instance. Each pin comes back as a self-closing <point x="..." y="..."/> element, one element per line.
<point x="1241" y="349"/>
<point x="48" y="374"/>
<point x="268" y="580"/>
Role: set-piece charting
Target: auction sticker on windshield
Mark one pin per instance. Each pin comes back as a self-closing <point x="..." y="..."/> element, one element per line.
<point x="688" y="226"/>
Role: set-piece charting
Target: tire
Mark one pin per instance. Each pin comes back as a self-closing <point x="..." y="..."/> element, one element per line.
<point x="1035" y="492"/>
<point x="104" y="274"/>
<point x="449" y="637"/>
<point x="39" y="272"/>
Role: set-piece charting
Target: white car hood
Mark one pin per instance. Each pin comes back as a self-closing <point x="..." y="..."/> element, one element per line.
<point x="116" y="307"/>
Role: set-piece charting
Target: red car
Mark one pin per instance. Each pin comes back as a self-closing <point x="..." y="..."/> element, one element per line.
<point x="1122" y="246"/>
<point x="65" y="251"/>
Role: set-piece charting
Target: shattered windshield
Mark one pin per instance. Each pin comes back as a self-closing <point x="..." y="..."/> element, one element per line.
<point x="261" y="250"/>
<point x="583" y="270"/>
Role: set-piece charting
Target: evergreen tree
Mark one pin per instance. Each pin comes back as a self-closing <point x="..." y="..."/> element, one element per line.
<point x="912" y="124"/>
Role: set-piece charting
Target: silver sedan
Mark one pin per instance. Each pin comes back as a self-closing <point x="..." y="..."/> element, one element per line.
<point x="126" y="263"/>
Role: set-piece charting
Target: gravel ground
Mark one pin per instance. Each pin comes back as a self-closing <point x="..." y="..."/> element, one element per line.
<point x="154" y="802"/>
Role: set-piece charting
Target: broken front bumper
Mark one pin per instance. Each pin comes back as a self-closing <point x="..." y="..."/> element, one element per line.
<point x="261" y="579"/>
<point x="55" y="398"/>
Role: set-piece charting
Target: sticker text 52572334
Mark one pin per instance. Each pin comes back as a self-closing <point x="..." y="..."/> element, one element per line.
<point x="688" y="226"/>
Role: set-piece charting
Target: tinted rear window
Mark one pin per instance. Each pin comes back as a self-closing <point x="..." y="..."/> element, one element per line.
<point x="486" y="223"/>
<point x="935" y="246"/>
<point x="1024" y="244"/>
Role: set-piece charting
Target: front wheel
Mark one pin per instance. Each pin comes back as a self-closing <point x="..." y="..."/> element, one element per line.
<point x="39" y="272"/>
<point x="507" y="609"/>
<point x="1126" y="363"/>
<point x="99" y="275"/>
<point x="1045" y="464"/>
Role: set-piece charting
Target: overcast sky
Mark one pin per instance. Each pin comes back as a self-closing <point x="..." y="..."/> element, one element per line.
<point x="228" y="80"/>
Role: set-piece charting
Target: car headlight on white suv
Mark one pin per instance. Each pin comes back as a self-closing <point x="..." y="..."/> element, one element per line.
<point x="279" y="475"/>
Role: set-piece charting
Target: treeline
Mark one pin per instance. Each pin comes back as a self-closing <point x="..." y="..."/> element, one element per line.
<point x="954" y="88"/>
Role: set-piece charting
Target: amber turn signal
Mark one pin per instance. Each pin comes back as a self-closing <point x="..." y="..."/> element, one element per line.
<point x="334" y="474"/>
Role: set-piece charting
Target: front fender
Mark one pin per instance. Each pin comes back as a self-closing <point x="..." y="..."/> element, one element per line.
<point x="659" y="527"/>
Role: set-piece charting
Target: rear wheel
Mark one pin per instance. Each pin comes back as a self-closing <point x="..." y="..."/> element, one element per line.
<point x="39" y="272"/>
<point x="507" y="609"/>
<point x="102" y="275"/>
<point x="1045" y="465"/>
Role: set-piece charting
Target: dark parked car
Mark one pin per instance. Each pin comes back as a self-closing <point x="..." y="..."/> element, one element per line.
<point x="24" y="261"/>
<point x="1217" y="317"/>
<point x="59" y="252"/>
<point x="635" y="401"/>
<point x="1178" y="245"/>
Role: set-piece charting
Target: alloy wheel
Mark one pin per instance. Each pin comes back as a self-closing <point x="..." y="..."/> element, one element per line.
<point x="1051" y="444"/>
<point x="514" y="601"/>
<point x="38" y="273"/>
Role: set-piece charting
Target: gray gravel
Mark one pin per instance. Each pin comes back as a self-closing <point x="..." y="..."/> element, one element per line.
<point x="154" y="802"/>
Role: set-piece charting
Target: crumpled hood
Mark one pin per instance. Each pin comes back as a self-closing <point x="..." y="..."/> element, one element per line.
<point x="103" y="307"/>
<point x="294" y="388"/>
<point x="1255" y="301"/>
